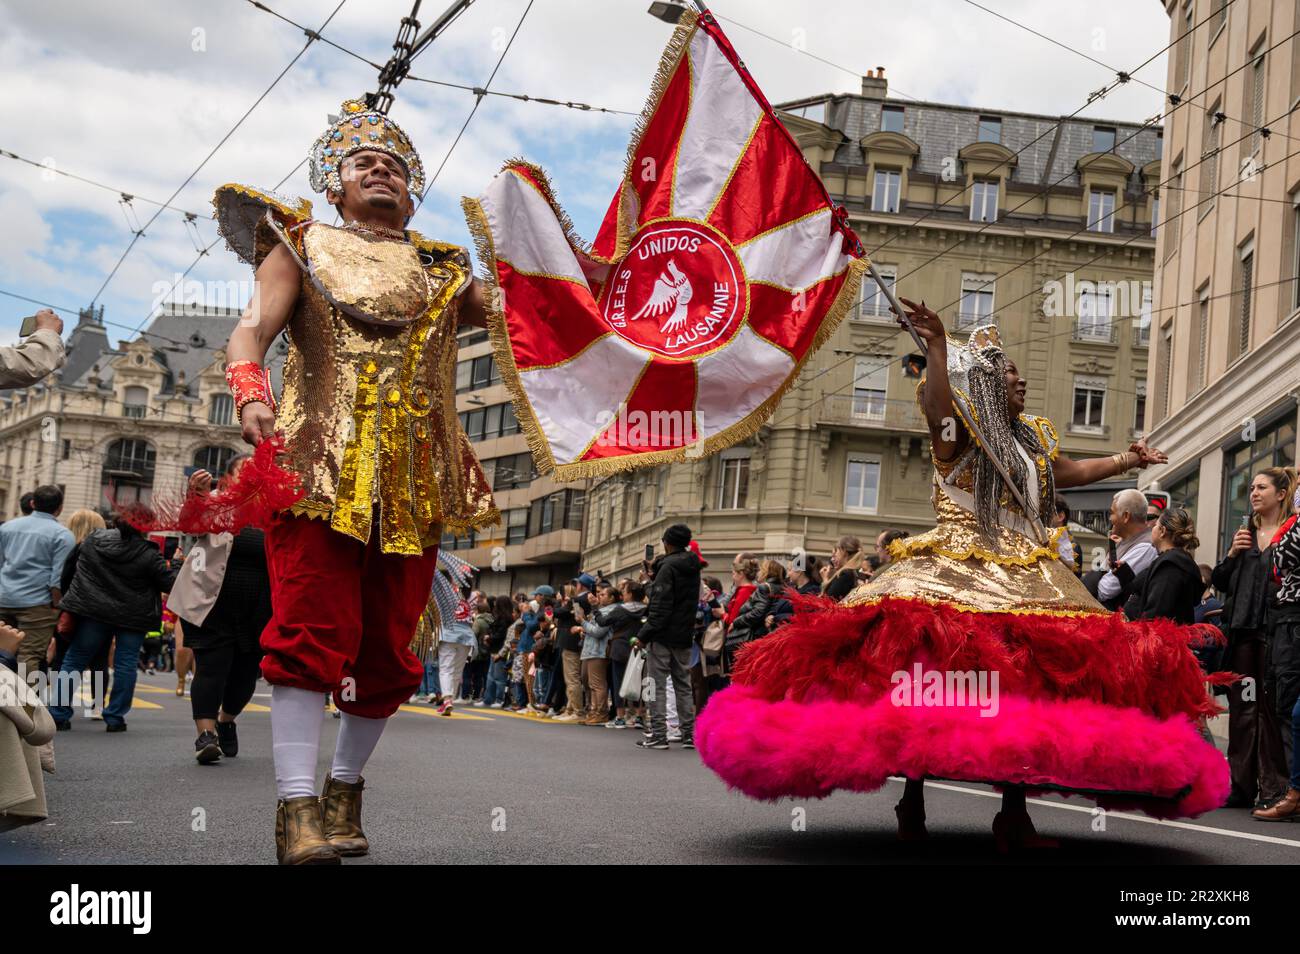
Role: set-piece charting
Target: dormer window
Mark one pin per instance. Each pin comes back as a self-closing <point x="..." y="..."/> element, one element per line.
<point x="1103" y="138"/>
<point x="891" y="119"/>
<point x="990" y="129"/>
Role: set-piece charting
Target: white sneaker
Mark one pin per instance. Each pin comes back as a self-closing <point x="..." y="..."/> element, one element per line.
<point x="497" y="705"/>
<point x="478" y="703"/>
<point x="567" y="717"/>
<point x="674" y="736"/>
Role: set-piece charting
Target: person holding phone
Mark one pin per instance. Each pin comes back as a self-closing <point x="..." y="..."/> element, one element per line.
<point x="40" y="352"/>
<point x="1256" y="752"/>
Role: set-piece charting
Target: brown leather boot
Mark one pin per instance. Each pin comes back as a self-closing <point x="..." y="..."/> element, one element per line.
<point x="1287" y="809"/>
<point x="341" y="816"/>
<point x="299" y="839"/>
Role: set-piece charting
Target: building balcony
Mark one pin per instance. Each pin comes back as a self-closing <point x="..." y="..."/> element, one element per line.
<point x="555" y="546"/>
<point x="870" y="413"/>
<point x="1142" y="336"/>
<point x="1094" y="331"/>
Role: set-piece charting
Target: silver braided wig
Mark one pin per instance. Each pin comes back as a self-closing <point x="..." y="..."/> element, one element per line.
<point x="987" y="381"/>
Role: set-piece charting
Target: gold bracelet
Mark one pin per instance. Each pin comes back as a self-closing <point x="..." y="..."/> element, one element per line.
<point x="1121" y="463"/>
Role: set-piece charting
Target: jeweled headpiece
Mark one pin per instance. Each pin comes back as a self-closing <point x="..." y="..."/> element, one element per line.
<point x="983" y="343"/>
<point x="360" y="127"/>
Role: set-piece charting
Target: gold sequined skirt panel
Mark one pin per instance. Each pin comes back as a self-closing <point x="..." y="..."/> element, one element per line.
<point x="1045" y="586"/>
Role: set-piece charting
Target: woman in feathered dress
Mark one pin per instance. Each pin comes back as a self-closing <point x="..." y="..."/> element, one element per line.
<point x="1084" y="701"/>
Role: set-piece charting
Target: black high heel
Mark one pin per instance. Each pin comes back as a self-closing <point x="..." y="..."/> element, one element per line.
<point x="911" y="821"/>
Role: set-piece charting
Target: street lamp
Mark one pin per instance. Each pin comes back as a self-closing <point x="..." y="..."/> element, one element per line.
<point x="668" y="12"/>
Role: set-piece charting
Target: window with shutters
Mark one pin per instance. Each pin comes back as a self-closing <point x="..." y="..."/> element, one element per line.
<point x="1202" y="338"/>
<point x="1293" y="260"/>
<point x="1257" y="91"/>
<point x="1219" y="17"/>
<point x="1183" y="52"/>
<point x="1209" y="160"/>
<point x="1241" y="325"/>
<point x="1173" y="208"/>
<point x="976" y="306"/>
<point x="870" y="383"/>
<point x="1163" y="369"/>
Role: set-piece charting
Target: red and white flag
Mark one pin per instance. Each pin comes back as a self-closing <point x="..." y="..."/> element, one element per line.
<point x="722" y="264"/>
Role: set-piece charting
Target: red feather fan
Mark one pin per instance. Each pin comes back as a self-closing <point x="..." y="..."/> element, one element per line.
<point x="260" y="488"/>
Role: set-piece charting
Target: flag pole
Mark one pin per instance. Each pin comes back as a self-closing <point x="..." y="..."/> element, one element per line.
<point x="972" y="426"/>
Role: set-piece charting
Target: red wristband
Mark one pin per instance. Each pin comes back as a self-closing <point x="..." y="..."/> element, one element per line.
<point x="249" y="382"/>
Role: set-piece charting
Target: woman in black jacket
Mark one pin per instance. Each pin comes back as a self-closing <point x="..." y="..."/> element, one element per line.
<point x="222" y="596"/>
<point x="1170" y="587"/>
<point x="751" y="622"/>
<point x="1282" y="681"/>
<point x="802" y="581"/>
<point x="1256" y="754"/>
<point x="117" y="581"/>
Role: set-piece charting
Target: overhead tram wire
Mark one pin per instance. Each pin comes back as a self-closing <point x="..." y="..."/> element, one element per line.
<point x="1093" y="97"/>
<point x="1092" y="59"/>
<point x="892" y="333"/>
<point x="466" y="87"/>
<point x="789" y="46"/>
<point x="88" y="181"/>
<point x="478" y="99"/>
<point x="1109" y="249"/>
<point x="312" y="36"/>
<point x="1043" y="192"/>
<point x="1082" y="232"/>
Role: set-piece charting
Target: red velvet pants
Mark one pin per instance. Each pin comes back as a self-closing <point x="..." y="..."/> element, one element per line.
<point x="343" y="615"/>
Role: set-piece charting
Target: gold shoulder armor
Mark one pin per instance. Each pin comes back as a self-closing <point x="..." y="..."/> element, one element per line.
<point x="252" y="221"/>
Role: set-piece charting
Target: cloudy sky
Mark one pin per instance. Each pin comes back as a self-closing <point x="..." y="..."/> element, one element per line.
<point x="135" y="93"/>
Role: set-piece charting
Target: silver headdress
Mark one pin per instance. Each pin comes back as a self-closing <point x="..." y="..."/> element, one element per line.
<point x="976" y="375"/>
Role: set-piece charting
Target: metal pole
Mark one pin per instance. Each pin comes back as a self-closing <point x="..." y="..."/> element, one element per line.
<point x="1040" y="533"/>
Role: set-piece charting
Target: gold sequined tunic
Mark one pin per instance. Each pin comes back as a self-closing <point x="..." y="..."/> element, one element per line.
<point x="959" y="564"/>
<point x="368" y="406"/>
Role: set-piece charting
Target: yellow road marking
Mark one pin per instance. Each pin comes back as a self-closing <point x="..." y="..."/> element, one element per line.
<point x="430" y="711"/>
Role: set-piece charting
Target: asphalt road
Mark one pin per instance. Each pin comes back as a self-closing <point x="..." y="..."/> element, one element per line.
<point x="492" y="787"/>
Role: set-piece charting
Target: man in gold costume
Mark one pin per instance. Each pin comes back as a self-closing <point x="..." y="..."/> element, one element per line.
<point x="367" y="414"/>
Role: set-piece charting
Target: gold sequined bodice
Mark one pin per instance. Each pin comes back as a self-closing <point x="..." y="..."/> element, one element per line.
<point x="957" y="562"/>
<point x="368" y="407"/>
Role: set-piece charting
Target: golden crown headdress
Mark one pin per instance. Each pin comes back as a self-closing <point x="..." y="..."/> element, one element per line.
<point x="360" y="127"/>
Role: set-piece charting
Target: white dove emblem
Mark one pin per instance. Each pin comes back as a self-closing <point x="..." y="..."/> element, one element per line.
<point x="672" y="292"/>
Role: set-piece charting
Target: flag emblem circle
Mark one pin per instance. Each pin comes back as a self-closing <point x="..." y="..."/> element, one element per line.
<point x="679" y="292"/>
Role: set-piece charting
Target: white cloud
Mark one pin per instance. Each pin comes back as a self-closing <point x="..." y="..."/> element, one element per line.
<point x="116" y="92"/>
